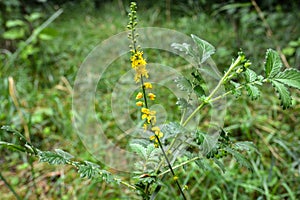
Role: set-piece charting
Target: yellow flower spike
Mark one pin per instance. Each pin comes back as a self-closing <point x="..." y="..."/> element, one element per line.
<point x="175" y="178"/>
<point x="155" y="145"/>
<point x="148" y="85"/>
<point x="139" y="103"/>
<point x="151" y="96"/>
<point x="139" y="95"/>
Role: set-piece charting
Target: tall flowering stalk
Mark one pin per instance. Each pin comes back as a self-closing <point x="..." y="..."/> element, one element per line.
<point x="138" y="63"/>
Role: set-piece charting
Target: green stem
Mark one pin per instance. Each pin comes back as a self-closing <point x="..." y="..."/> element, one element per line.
<point x="220" y="83"/>
<point x="170" y="167"/>
<point x="180" y="165"/>
<point x="208" y="99"/>
<point x="10" y="187"/>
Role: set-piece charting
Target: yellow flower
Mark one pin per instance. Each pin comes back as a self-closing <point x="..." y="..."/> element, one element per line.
<point x="139" y="103"/>
<point x="157" y="132"/>
<point x="148" y="85"/>
<point x="139" y="64"/>
<point x="152" y="119"/>
<point x="139" y="95"/>
<point x="145" y="111"/>
<point x="151" y="96"/>
<point x="140" y="71"/>
<point x="175" y="178"/>
<point x="152" y="137"/>
<point x="145" y="127"/>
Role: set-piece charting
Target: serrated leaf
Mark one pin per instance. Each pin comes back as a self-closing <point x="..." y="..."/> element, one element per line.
<point x="220" y="165"/>
<point x="232" y="86"/>
<point x="205" y="48"/>
<point x="182" y="47"/>
<point x="203" y="164"/>
<point x="52" y="158"/>
<point x="284" y="94"/>
<point x="64" y="154"/>
<point x="182" y="103"/>
<point x="273" y="63"/>
<point x="250" y="75"/>
<point x="289" y="77"/>
<point x="183" y="84"/>
<point x="173" y="128"/>
<point x="253" y="91"/>
<point x="88" y="170"/>
<point x="139" y="149"/>
<point x="240" y="158"/>
<point x="246" y="146"/>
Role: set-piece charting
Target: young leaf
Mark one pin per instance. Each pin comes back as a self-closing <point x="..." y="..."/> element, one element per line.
<point x="182" y="47"/>
<point x="240" y="158"/>
<point x="182" y="103"/>
<point x="205" y="48"/>
<point x="250" y="75"/>
<point x="273" y="63"/>
<point x="289" y="77"/>
<point x="88" y="169"/>
<point x="139" y="149"/>
<point x="246" y="146"/>
<point x="52" y="158"/>
<point x="183" y="84"/>
<point x="220" y="165"/>
<point x="253" y="91"/>
<point x="64" y="154"/>
<point x="284" y="94"/>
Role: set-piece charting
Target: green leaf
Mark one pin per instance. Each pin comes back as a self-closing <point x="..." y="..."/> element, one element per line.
<point x="205" y="48"/>
<point x="273" y="63"/>
<point x="173" y="128"/>
<point x="198" y="77"/>
<point x="240" y="158"/>
<point x="220" y="165"/>
<point x="284" y="94"/>
<point x="14" y="23"/>
<point x="253" y="91"/>
<point x="12" y="146"/>
<point x="199" y="91"/>
<point x="88" y="169"/>
<point x="182" y="47"/>
<point x="246" y="146"/>
<point x="289" y="77"/>
<point x="64" y="154"/>
<point x="52" y="158"/>
<point x="182" y="103"/>
<point x="139" y="149"/>
<point x="13" y="34"/>
<point x="250" y="75"/>
<point x="183" y="84"/>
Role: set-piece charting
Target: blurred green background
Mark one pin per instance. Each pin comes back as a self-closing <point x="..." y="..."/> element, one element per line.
<point x="41" y="50"/>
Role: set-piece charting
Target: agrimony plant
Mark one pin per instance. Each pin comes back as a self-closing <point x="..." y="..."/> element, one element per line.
<point x="158" y="153"/>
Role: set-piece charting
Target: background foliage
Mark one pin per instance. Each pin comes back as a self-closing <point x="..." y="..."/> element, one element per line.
<point x="37" y="98"/>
